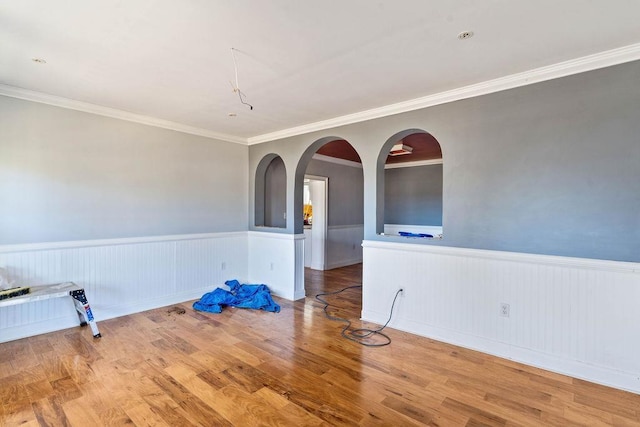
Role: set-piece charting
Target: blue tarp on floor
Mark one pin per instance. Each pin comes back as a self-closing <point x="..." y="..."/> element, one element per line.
<point x="243" y="296"/>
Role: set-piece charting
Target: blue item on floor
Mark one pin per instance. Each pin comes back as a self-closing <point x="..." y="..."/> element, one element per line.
<point x="243" y="296"/>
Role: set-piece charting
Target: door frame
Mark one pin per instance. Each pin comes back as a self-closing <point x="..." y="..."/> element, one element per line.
<point x="319" y="228"/>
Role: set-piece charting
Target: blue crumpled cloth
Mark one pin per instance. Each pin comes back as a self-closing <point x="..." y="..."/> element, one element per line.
<point x="409" y="234"/>
<point x="243" y="296"/>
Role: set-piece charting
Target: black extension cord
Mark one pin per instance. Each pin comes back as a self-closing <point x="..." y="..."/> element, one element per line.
<point x="358" y="335"/>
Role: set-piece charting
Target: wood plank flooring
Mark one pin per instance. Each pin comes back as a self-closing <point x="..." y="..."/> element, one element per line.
<point x="250" y="368"/>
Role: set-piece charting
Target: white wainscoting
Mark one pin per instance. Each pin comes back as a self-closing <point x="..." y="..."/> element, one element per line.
<point x="395" y="229"/>
<point x="120" y="276"/>
<point x="344" y="245"/>
<point x="575" y="316"/>
<point x="277" y="260"/>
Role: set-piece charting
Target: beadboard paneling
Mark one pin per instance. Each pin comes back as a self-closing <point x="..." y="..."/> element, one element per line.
<point x="277" y="260"/>
<point x="120" y="276"/>
<point x="569" y="315"/>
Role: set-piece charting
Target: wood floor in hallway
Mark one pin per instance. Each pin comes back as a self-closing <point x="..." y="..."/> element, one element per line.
<point x="174" y="366"/>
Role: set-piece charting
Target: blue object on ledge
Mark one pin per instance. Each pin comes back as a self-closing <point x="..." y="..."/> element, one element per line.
<point x="242" y="296"/>
<point x="408" y="234"/>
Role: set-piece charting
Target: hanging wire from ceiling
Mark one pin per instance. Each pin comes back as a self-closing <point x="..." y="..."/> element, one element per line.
<point x="236" y="87"/>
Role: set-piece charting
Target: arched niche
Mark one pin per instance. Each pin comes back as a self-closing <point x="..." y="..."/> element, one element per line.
<point x="409" y="185"/>
<point x="271" y="192"/>
<point x="301" y="169"/>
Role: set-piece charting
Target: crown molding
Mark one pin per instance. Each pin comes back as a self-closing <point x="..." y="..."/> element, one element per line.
<point x="350" y="163"/>
<point x="71" y="104"/>
<point x="413" y="164"/>
<point x="575" y="66"/>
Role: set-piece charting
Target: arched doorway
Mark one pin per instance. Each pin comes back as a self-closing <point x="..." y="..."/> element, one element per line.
<point x="333" y="164"/>
<point x="336" y="163"/>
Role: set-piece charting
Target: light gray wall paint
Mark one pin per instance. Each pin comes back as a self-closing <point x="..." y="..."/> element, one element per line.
<point x="550" y="168"/>
<point x="346" y="191"/>
<point x="67" y="175"/>
<point x="413" y="195"/>
<point x="275" y="194"/>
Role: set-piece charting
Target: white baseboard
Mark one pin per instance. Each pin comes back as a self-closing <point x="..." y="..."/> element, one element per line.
<point x="40" y="327"/>
<point x="573" y="316"/>
<point x="153" y="303"/>
<point x="344" y="245"/>
<point x="588" y="372"/>
<point x="120" y="276"/>
<point x="344" y="263"/>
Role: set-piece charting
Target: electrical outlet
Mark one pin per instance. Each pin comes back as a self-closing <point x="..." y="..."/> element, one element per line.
<point x="504" y="309"/>
<point x="271" y="266"/>
<point x="223" y="266"/>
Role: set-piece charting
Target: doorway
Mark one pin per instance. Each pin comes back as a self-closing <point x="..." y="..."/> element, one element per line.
<point x="315" y="199"/>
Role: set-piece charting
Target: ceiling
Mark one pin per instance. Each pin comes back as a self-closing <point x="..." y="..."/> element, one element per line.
<point x="423" y="147"/>
<point x="298" y="62"/>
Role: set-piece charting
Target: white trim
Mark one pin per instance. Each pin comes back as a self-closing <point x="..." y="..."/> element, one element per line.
<point x="319" y="187"/>
<point x="550" y="72"/>
<point x="337" y="161"/>
<point x="28" y="247"/>
<point x="282" y="236"/>
<point x="574" y="66"/>
<point x="568" y="315"/>
<point x="277" y="260"/>
<point x="586" y="371"/>
<point x="344" y="245"/>
<point x="343" y="227"/>
<point x="106" y="313"/>
<point x="120" y="276"/>
<point x="343" y="263"/>
<point x="413" y="164"/>
<point x="553" y="260"/>
<point x="41" y="327"/>
<point x="72" y="104"/>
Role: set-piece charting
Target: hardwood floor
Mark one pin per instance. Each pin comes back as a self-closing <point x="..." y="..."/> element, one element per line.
<point x="250" y="368"/>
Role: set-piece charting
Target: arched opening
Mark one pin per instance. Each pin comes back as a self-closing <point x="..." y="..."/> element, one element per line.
<point x="410" y="183"/>
<point x="271" y="192"/>
<point x="333" y="163"/>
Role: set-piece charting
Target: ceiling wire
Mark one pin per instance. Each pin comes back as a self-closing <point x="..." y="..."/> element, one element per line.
<point x="236" y="87"/>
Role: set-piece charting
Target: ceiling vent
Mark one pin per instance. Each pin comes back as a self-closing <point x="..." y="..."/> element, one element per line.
<point x="400" y="149"/>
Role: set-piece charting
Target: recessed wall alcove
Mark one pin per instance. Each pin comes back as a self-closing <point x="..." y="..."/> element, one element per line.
<point x="271" y="192"/>
<point x="409" y="185"/>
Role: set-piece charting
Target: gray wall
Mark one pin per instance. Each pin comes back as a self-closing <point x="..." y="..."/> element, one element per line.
<point x="550" y="168"/>
<point x="67" y="175"/>
<point x="413" y="195"/>
<point x="346" y="191"/>
<point x="275" y="194"/>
